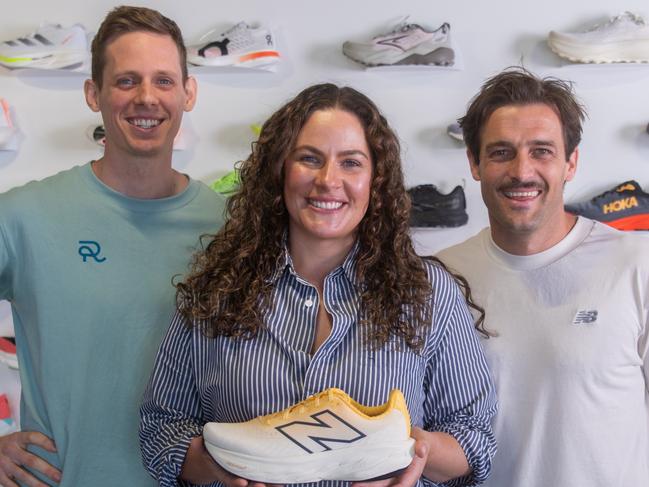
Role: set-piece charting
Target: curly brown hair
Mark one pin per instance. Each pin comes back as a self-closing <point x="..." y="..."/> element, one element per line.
<point x="228" y="288"/>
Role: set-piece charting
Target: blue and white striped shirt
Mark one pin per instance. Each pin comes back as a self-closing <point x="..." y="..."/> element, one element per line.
<point x="197" y="379"/>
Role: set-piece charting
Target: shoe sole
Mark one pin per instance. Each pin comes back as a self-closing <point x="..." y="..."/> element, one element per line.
<point x="630" y="223"/>
<point x="442" y="56"/>
<point x="51" y="60"/>
<point x="251" y="59"/>
<point x="622" y="52"/>
<point x="9" y="359"/>
<point x="431" y="219"/>
<point x="336" y="465"/>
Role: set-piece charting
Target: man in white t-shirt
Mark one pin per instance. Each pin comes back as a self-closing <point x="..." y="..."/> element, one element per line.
<point x="567" y="298"/>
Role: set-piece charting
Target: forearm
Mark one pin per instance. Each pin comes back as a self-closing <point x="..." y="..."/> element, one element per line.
<point x="446" y="459"/>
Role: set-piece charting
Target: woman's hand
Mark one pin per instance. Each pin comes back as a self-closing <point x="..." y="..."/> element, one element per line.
<point x="200" y="468"/>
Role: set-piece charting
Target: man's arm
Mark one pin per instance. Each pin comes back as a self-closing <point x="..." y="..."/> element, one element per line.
<point x="13" y="448"/>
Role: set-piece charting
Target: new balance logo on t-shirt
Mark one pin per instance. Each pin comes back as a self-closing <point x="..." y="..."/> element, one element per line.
<point x="585" y="317"/>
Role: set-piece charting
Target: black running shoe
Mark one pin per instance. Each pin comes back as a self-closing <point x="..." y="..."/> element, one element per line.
<point x="625" y="207"/>
<point x="430" y="208"/>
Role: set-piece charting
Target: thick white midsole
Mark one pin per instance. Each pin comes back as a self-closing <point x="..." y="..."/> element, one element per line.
<point x="629" y="51"/>
<point x="49" y="60"/>
<point x="340" y="464"/>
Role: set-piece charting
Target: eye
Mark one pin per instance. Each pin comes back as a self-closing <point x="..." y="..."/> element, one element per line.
<point x="351" y="163"/>
<point x="500" y="154"/>
<point x="308" y="158"/>
<point x="165" y="81"/>
<point x="542" y="152"/>
<point x="125" y="82"/>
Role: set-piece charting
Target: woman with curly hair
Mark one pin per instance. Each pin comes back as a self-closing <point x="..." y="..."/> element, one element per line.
<point x="313" y="283"/>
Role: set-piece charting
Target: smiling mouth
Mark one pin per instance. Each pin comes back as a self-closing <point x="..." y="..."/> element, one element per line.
<point x="325" y="205"/>
<point x="522" y="195"/>
<point x="144" y="123"/>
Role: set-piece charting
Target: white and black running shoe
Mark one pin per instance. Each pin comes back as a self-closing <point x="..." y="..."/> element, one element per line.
<point x="242" y="45"/>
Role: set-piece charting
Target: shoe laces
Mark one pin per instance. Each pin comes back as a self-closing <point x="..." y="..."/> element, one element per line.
<point x="635" y="18"/>
<point x="301" y="407"/>
<point x="209" y="34"/>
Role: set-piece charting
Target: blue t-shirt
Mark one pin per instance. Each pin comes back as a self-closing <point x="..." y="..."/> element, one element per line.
<point x="89" y="273"/>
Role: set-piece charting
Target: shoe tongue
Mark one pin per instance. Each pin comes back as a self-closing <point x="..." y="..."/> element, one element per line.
<point x="627" y="186"/>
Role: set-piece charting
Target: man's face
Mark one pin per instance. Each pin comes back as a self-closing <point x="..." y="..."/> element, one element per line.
<point x="522" y="171"/>
<point x="143" y="96"/>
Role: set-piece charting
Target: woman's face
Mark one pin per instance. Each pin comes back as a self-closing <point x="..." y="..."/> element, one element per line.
<point x="327" y="179"/>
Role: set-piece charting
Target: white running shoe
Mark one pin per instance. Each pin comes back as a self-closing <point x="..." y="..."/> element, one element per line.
<point x="50" y="47"/>
<point x="242" y="45"/>
<point x="406" y="44"/>
<point x="327" y="436"/>
<point x="7" y="130"/>
<point x="623" y="39"/>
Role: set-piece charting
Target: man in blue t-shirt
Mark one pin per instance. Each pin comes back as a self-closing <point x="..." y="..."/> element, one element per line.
<point x="87" y="258"/>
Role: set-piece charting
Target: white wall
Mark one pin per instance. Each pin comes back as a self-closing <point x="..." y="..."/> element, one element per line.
<point x="53" y="117"/>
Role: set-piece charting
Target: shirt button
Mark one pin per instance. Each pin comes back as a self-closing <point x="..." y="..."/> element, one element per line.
<point x="308" y="303"/>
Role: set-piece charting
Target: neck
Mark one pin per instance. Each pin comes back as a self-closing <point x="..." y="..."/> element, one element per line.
<point x="529" y="243"/>
<point x="140" y="178"/>
<point x="314" y="260"/>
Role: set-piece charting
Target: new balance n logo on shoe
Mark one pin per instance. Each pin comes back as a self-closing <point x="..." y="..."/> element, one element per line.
<point x="327" y="436"/>
<point x="314" y="436"/>
<point x="585" y="317"/>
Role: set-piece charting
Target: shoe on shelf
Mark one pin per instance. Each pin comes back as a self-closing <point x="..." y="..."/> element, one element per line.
<point x="430" y="208"/>
<point x="328" y="436"/>
<point x="52" y="46"/>
<point x="406" y="44"/>
<point x="622" y="39"/>
<point x="455" y="131"/>
<point x="7" y="130"/>
<point x="8" y="352"/>
<point x="228" y="184"/>
<point x="241" y="45"/>
<point x="625" y="207"/>
<point x="7" y="423"/>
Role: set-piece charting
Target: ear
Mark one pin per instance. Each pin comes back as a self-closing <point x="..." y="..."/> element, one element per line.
<point x="191" y="90"/>
<point x="571" y="165"/>
<point x="473" y="165"/>
<point x="92" y="95"/>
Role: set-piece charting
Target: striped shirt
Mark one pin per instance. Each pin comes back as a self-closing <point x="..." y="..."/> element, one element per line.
<point x="196" y="379"/>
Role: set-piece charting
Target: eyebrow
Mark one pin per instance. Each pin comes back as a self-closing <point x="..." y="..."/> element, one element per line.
<point x="350" y="152"/>
<point x="531" y="143"/>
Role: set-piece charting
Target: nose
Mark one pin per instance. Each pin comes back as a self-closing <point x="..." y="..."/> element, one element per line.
<point x="146" y="93"/>
<point x="521" y="167"/>
<point x="328" y="174"/>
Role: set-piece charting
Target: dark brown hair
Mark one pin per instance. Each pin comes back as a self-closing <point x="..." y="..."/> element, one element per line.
<point x="228" y="288"/>
<point x="125" y="19"/>
<point x="517" y="86"/>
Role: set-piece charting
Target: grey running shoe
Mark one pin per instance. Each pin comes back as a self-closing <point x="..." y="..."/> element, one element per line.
<point x="455" y="131"/>
<point x="406" y="44"/>
<point x="430" y="208"/>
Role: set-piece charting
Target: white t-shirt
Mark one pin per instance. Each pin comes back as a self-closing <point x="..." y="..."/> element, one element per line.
<point x="571" y="360"/>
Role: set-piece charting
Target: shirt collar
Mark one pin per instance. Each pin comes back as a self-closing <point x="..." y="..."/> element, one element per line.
<point x="348" y="266"/>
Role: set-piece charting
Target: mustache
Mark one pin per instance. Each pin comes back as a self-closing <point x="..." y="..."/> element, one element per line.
<point x="515" y="184"/>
